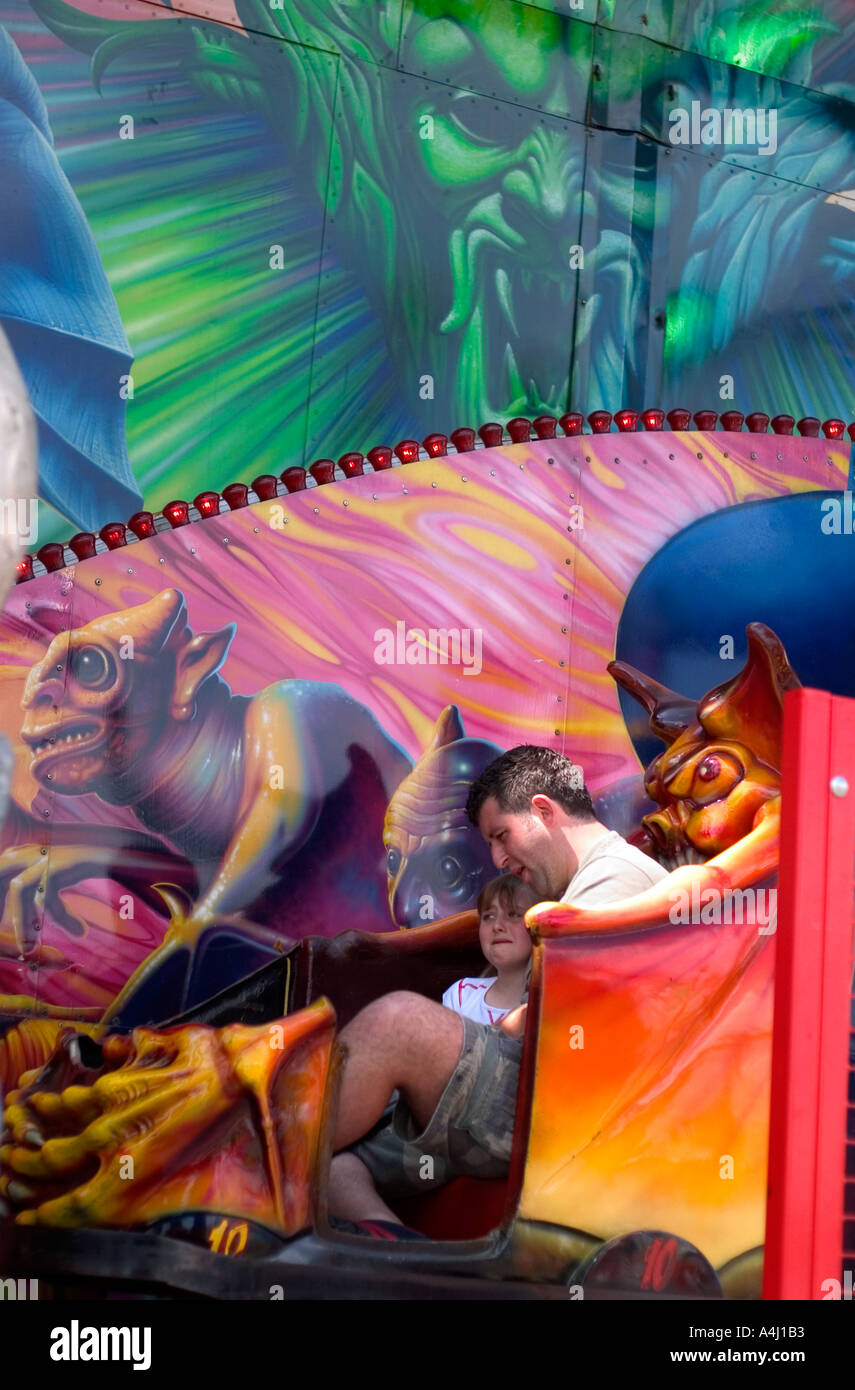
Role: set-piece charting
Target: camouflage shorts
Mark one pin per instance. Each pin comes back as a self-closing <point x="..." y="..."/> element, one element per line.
<point x="471" y="1130"/>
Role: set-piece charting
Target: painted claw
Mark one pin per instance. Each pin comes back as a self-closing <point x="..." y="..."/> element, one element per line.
<point x="19" y="1193"/>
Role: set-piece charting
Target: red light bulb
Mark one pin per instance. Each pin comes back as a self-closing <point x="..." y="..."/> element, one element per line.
<point x="380" y="457"/>
<point x="571" y="423"/>
<point x="783" y="424"/>
<point x="732" y="420"/>
<point x="114" y="534"/>
<point x="52" y="556"/>
<point x="519" y="429"/>
<point x="83" y="545"/>
<point x="490" y="435"/>
<point x="142" y="525"/>
<point x="833" y="429"/>
<point x="808" y="427"/>
<point x="237" y="495"/>
<point x="600" y="421"/>
<point x="207" y="503"/>
<point x="176" y="513"/>
<point x="757" y="422"/>
<point x="706" y="419"/>
<point x="407" y="450"/>
<point x="294" y="478"/>
<point x="627" y="421"/>
<point x="545" y="426"/>
<point x="351" y="465"/>
<point x="264" y="486"/>
<point x="463" y="439"/>
<point x="323" y="471"/>
<point x="435" y="445"/>
<point x="679" y="419"/>
<point x="24" y="569"/>
<point x="653" y="419"/>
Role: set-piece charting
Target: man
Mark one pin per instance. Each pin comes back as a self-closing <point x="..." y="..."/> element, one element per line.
<point x="458" y="1079"/>
<point x="534" y="810"/>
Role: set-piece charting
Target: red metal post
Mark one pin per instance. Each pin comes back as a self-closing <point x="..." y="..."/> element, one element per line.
<point x="807" y="1139"/>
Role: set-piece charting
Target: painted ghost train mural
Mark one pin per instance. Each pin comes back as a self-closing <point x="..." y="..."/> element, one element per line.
<point x="232" y="709"/>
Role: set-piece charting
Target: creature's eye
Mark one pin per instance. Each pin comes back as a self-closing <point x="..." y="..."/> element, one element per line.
<point x="450" y="871"/>
<point x="92" y="667"/>
<point x="715" y="777"/>
<point x="393" y="862"/>
<point x="486" y="122"/>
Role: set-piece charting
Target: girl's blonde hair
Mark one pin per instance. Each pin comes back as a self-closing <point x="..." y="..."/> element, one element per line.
<point x="509" y="891"/>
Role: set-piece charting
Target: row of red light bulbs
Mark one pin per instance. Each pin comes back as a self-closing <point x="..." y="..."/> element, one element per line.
<point x="265" y="487"/>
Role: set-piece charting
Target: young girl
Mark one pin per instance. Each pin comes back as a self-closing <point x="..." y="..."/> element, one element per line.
<point x="495" y="999"/>
<point x="503" y="986"/>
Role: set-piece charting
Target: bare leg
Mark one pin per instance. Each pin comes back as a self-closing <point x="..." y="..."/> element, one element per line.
<point x="352" y="1193"/>
<point x="402" y="1040"/>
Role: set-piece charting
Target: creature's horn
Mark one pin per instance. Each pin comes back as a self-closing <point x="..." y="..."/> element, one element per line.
<point x="670" y="714"/>
<point x="179" y="903"/>
<point x="448" y="729"/>
<point x="749" y="706"/>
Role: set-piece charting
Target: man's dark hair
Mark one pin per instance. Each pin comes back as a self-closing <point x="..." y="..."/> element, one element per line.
<point x="527" y="771"/>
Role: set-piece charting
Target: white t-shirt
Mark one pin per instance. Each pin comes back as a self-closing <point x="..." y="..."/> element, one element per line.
<point x="467" y="997"/>
<point x="612" y="869"/>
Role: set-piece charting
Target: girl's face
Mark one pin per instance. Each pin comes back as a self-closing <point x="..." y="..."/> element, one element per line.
<point x="504" y="936"/>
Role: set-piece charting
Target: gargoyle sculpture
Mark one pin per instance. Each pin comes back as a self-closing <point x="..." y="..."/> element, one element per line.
<point x="717" y="785"/>
<point x="130" y="707"/>
<point x="436" y="863"/>
<point x="208" y="1119"/>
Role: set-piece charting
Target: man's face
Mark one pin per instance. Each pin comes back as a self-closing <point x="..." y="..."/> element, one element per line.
<point x="522" y="843"/>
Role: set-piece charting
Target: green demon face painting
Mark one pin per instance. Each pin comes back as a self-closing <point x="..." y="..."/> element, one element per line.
<point x="519" y="195"/>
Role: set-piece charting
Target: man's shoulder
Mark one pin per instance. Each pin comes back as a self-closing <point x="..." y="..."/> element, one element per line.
<point x="614" y="847"/>
<point x="612" y="869"/>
